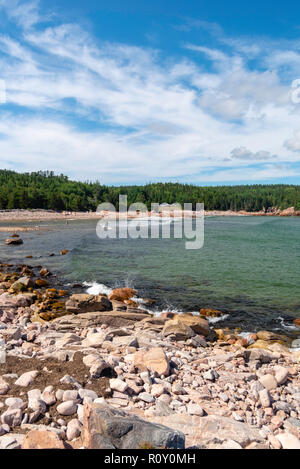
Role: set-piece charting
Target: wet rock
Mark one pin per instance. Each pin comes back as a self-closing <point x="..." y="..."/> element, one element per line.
<point x="13" y="241"/>
<point x="122" y="294"/>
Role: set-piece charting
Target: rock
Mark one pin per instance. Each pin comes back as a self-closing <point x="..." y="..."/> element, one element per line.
<point x="67" y="408"/>
<point x="214" y="313"/>
<point x="205" y="430"/>
<point x="94" y="319"/>
<point x="12" y="417"/>
<point x="108" y="428"/>
<point x="11" y="441"/>
<point x="117" y="384"/>
<point x="297" y="322"/>
<point x="42" y="439"/>
<point x="45" y="272"/>
<point x="4" y="387"/>
<point x="125" y="341"/>
<point x="86" y="393"/>
<point x="70" y="395"/>
<point x="122" y="294"/>
<point x="73" y="429"/>
<point x="281" y="374"/>
<point x="14" y="241"/>
<point x="15" y="403"/>
<point x="288" y="441"/>
<point x="178" y="329"/>
<point x="63" y="252"/>
<point x="268" y="381"/>
<point x="196" y="323"/>
<point x="144" y="396"/>
<point x="26" y="378"/>
<point x="154" y="360"/>
<point x="197" y="341"/>
<point x="231" y="444"/>
<point x="195" y="409"/>
<point x="265" y="398"/>
<point x="94" y="340"/>
<point x="84" y="303"/>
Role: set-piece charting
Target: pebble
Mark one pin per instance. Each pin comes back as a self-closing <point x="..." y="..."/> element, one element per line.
<point x="67" y="408"/>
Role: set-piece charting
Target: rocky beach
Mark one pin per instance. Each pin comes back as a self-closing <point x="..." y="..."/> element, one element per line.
<point x="74" y="365"/>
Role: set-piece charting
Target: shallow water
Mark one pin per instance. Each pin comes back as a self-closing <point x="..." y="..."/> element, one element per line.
<point x="249" y="267"/>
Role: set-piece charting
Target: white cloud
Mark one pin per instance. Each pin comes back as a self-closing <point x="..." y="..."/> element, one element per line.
<point x="243" y="153"/>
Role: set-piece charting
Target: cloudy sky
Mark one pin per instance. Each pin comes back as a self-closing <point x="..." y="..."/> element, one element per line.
<point x="145" y="91"/>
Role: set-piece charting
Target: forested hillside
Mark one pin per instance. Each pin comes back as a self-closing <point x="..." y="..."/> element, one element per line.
<point x="44" y="190"/>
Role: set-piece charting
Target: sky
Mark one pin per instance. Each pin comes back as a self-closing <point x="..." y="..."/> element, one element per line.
<point x="133" y="92"/>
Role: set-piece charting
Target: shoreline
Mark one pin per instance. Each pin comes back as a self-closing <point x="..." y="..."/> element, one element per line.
<point x="47" y="215"/>
<point x="66" y="357"/>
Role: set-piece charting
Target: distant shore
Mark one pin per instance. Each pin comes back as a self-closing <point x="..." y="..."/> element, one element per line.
<point x="21" y="215"/>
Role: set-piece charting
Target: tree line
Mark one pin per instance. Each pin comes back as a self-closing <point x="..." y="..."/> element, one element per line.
<point x="45" y="190"/>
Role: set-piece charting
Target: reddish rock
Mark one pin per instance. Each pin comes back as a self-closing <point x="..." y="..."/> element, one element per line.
<point x="42" y="439"/>
<point x="122" y="294"/>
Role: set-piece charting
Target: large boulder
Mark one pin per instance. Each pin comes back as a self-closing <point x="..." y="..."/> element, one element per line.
<point x="178" y="329"/>
<point x="122" y="294"/>
<point x="196" y="323"/>
<point x="94" y="319"/>
<point x="212" y="429"/>
<point x="154" y="360"/>
<point x="84" y="303"/>
<point x="108" y="428"/>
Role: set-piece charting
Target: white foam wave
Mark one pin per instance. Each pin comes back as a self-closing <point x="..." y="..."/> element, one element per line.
<point x="213" y="320"/>
<point x="95" y="288"/>
<point x="290" y="327"/>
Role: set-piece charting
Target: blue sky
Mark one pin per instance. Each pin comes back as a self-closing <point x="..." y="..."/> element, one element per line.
<point x="145" y="91"/>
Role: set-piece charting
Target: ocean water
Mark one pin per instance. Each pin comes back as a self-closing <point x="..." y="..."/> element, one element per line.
<point x="249" y="267"/>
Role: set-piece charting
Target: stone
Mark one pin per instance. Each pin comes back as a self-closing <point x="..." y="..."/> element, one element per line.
<point x="4" y="387"/>
<point x="205" y="430"/>
<point x="195" y="409"/>
<point x="178" y="329"/>
<point x="11" y="441"/>
<point x="196" y="323"/>
<point x="288" y="441"/>
<point x="94" y="340"/>
<point x="73" y="429"/>
<point x="67" y="408"/>
<point x="94" y="319"/>
<point x="15" y="403"/>
<point x="84" y="303"/>
<point x="108" y="428"/>
<point x="118" y="385"/>
<point x="42" y="439"/>
<point x="12" y="417"/>
<point x="26" y="378"/>
<point x="122" y="294"/>
<point x="84" y="393"/>
<point x="265" y="398"/>
<point x="154" y="360"/>
<point x="281" y="374"/>
<point x="144" y="396"/>
<point x="268" y="381"/>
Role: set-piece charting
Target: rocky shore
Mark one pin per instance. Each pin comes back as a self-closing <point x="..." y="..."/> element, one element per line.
<point x="91" y="371"/>
<point x="23" y="215"/>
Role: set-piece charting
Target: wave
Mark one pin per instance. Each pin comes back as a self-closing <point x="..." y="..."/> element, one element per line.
<point x="95" y="288"/>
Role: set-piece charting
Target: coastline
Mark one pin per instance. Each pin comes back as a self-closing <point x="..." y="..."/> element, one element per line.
<point x="76" y="354"/>
<point x="23" y="215"/>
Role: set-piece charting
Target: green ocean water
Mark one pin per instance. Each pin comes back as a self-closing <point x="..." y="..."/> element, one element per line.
<point x="249" y="267"/>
